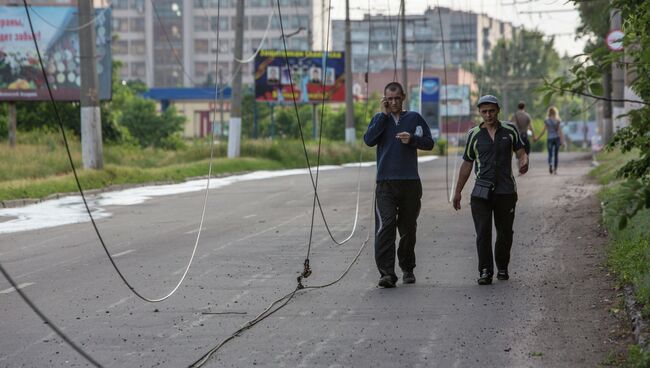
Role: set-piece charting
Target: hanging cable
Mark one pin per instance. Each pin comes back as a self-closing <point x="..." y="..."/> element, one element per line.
<point x="284" y="300"/>
<point x="72" y="29"/>
<point x="169" y="41"/>
<point x="393" y="45"/>
<point x="444" y="59"/>
<point x="469" y="102"/>
<point x="80" y="189"/>
<point x="47" y="321"/>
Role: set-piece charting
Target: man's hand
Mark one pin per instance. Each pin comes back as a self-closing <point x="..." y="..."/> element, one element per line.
<point x="405" y="137"/>
<point x="383" y="105"/>
<point x="457" y="198"/>
<point x="523" y="164"/>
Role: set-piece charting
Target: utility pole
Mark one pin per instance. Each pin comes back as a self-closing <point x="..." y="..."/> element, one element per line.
<point x="221" y="96"/>
<point x="618" y="77"/>
<point x="405" y="83"/>
<point x="349" y="102"/>
<point x="91" y="122"/>
<point x="504" y="83"/>
<point x="12" y="124"/>
<point x="234" y="128"/>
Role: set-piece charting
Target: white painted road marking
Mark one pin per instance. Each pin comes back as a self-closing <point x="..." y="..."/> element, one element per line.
<point x="20" y="286"/>
<point x="122" y="253"/>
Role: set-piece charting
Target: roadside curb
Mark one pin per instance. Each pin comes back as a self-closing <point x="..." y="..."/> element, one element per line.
<point x="639" y="326"/>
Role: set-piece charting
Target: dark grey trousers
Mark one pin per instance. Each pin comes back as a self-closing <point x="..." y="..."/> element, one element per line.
<point x="502" y="206"/>
<point x="397" y="208"/>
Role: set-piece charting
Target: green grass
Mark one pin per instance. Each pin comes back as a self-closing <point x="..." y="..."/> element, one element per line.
<point x="38" y="166"/>
<point x="629" y="248"/>
<point x="609" y="162"/>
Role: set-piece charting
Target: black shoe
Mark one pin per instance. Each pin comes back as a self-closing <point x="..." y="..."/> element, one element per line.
<point x="502" y="275"/>
<point x="485" y="277"/>
<point x="386" y="281"/>
<point x="408" y="278"/>
<point x="550" y="169"/>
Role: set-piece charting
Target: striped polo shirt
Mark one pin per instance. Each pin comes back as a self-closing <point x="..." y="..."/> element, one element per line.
<point x="493" y="158"/>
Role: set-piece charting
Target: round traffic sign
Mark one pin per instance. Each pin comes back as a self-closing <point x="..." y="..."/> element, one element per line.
<point x="614" y="40"/>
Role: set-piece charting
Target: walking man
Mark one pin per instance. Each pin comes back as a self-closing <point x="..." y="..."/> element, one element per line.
<point x="398" y="134"/>
<point x="523" y="122"/>
<point x="490" y="145"/>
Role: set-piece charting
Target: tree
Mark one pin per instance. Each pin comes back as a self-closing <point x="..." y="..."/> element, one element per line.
<point x="517" y="67"/>
<point x="586" y="79"/>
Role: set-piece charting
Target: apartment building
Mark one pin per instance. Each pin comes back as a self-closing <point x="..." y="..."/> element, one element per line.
<point x="468" y="37"/>
<point x="154" y="38"/>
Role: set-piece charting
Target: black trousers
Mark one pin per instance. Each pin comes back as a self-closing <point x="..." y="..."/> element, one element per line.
<point x="502" y="206"/>
<point x="397" y="207"/>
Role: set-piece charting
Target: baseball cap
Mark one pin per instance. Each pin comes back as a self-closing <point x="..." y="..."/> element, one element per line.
<point x="488" y="99"/>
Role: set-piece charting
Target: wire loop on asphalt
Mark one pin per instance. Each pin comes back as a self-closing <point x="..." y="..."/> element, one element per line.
<point x="83" y="196"/>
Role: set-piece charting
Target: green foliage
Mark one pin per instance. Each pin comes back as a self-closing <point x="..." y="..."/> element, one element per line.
<point x="518" y="68"/>
<point x="638" y="357"/>
<point x="147" y="127"/>
<point x="39" y="166"/>
<point x="285" y="124"/>
<point x="4" y="121"/>
<point x="586" y="78"/>
<point x="629" y="253"/>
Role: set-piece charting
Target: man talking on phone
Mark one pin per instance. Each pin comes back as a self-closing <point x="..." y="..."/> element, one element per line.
<point x="398" y="134"/>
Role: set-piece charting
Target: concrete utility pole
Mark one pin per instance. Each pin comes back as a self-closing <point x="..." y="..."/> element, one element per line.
<point x="221" y="97"/>
<point x="349" y="102"/>
<point x="91" y="122"/>
<point x="12" y="124"/>
<point x="405" y="79"/>
<point x="234" y="128"/>
<point x="618" y="77"/>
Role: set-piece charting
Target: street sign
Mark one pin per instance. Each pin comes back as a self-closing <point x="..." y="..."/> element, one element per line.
<point x="614" y="40"/>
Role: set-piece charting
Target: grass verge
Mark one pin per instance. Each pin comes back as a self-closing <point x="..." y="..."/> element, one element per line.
<point x="629" y="249"/>
<point x="39" y="167"/>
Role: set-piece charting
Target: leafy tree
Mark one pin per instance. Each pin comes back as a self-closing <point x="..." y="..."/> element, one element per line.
<point x="134" y="118"/>
<point x="586" y="79"/>
<point x="147" y="127"/>
<point x="518" y="67"/>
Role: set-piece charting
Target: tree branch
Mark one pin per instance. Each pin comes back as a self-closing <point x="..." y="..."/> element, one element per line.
<point x="597" y="97"/>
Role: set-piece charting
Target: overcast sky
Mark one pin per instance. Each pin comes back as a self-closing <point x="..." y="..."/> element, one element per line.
<point x="561" y="24"/>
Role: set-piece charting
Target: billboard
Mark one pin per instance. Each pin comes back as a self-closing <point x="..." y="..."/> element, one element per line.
<point x="430" y="103"/>
<point x="313" y="76"/>
<point x="56" y="32"/>
<point x="455" y="100"/>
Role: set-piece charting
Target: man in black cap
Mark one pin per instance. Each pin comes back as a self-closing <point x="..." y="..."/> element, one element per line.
<point x="490" y="145"/>
<point x="398" y="134"/>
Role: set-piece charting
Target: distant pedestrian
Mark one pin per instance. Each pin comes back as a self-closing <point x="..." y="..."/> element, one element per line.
<point x="398" y="134"/>
<point x="524" y="124"/>
<point x="555" y="139"/>
<point x="489" y="147"/>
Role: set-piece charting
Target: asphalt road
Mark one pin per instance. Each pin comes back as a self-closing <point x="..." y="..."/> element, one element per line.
<point x="550" y="313"/>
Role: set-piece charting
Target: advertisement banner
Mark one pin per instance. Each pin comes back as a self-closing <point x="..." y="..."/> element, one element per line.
<point x="430" y="89"/>
<point x="430" y="103"/>
<point x="56" y="32"/>
<point x="306" y="71"/>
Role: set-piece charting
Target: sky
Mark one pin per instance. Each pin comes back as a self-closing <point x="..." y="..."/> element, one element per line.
<point x="561" y="24"/>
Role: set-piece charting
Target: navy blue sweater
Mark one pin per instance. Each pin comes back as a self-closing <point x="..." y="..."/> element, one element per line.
<point x="396" y="160"/>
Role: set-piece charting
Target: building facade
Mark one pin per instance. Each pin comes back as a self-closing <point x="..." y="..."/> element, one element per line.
<point x="154" y="38"/>
<point x="467" y="36"/>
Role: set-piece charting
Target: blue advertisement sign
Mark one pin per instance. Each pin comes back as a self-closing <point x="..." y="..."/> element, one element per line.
<point x="308" y="75"/>
<point x="56" y="31"/>
<point x="430" y="89"/>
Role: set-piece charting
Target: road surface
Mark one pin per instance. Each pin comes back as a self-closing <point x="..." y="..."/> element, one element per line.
<point x="553" y="312"/>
